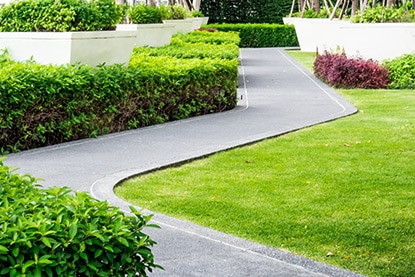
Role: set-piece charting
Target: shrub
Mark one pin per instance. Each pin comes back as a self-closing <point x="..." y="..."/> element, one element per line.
<point x="261" y="35"/>
<point x="187" y="47"/>
<point x="59" y="16"/>
<point x="248" y="11"/>
<point x="174" y="12"/>
<point x="339" y="71"/>
<point x="384" y="14"/>
<point x="402" y="72"/>
<point x="143" y="14"/>
<point x="45" y="104"/>
<point x="59" y="232"/>
<point x="215" y="37"/>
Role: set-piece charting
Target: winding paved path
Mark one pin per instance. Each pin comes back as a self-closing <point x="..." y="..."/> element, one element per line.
<point x="277" y="96"/>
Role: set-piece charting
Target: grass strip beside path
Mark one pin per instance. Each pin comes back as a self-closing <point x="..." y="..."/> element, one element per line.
<point x="346" y="187"/>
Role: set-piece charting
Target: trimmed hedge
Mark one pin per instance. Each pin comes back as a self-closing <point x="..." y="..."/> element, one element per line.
<point x="261" y="35"/>
<point x="59" y="232"/>
<point x="247" y="11"/>
<point x="45" y="104"/>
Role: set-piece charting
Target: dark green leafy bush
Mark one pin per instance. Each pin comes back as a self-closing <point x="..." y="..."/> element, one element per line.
<point x="247" y="11"/>
<point x="59" y="232"/>
<point x="45" y="105"/>
<point x="59" y="16"/>
<point x="144" y="14"/>
<point x="402" y="72"/>
<point x="261" y="35"/>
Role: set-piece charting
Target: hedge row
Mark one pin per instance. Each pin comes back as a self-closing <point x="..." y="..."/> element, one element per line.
<point x="58" y="232"/>
<point x="248" y="11"/>
<point x="44" y="104"/>
<point x="261" y="35"/>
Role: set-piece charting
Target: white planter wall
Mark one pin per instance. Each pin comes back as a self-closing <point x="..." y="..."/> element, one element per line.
<point x="377" y="41"/>
<point x="150" y="34"/>
<point x="181" y="25"/>
<point x="92" y="48"/>
<point x="317" y="33"/>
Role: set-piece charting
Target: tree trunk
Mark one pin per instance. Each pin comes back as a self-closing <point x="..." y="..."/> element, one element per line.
<point x="316" y="6"/>
<point x="390" y="3"/>
<point x="355" y="4"/>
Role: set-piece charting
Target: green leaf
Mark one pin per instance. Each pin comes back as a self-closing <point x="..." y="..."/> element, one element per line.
<point x="73" y="230"/>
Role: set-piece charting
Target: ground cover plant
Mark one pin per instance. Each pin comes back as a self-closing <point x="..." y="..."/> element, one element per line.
<point x="59" y="232"/>
<point x="345" y="187"/>
<point x="46" y="104"/>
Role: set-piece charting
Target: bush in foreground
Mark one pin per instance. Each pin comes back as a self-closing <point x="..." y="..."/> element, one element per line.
<point x="340" y="71"/>
<point x="58" y="232"/>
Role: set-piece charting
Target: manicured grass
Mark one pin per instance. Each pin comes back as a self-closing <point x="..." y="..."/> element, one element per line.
<point x="346" y="187"/>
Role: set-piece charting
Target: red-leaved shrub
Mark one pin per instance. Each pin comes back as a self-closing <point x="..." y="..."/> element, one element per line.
<point x="341" y="72"/>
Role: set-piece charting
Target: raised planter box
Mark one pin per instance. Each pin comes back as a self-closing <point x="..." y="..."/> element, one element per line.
<point x="377" y="41"/>
<point x="181" y="25"/>
<point x="317" y="33"/>
<point x="150" y="34"/>
<point x="92" y="48"/>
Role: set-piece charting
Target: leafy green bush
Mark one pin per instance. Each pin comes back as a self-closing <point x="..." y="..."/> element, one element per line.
<point x="381" y="14"/>
<point x="59" y="16"/>
<point x="45" y="104"/>
<point x="144" y="14"/>
<point x="402" y="72"/>
<point x="174" y="12"/>
<point x="195" y="13"/>
<point x="58" y="232"/>
<point x="261" y="35"/>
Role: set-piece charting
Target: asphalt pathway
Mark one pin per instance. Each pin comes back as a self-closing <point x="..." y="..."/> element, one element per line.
<point x="277" y="95"/>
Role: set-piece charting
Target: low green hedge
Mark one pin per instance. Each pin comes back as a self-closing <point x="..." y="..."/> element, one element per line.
<point x="207" y="37"/>
<point x="261" y="35"/>
<point x="59" y="232"/>
<point x="45" y="104"/>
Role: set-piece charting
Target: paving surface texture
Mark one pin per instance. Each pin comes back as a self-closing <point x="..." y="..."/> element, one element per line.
<point x="277" y="96"/>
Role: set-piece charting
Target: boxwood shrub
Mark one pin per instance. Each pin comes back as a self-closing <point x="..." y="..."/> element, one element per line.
<point x="46" y="104"/>
<point x="60" y="16"/>
<point x="261" y="35"/>
<point x="59" y="232"/>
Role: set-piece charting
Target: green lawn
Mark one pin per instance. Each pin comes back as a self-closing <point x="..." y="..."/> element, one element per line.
<point x="346" y="187"/>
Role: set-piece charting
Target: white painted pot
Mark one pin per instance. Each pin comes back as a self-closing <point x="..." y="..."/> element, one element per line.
<point x="317" y="33"/>
<point x="197" y="22"/>
<point x="205" y="20"/>
<point x="92" y="48"/>
<point x="181" y="25"/>
<point x="150" y="34"/>
<point x="378" y="41"/>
